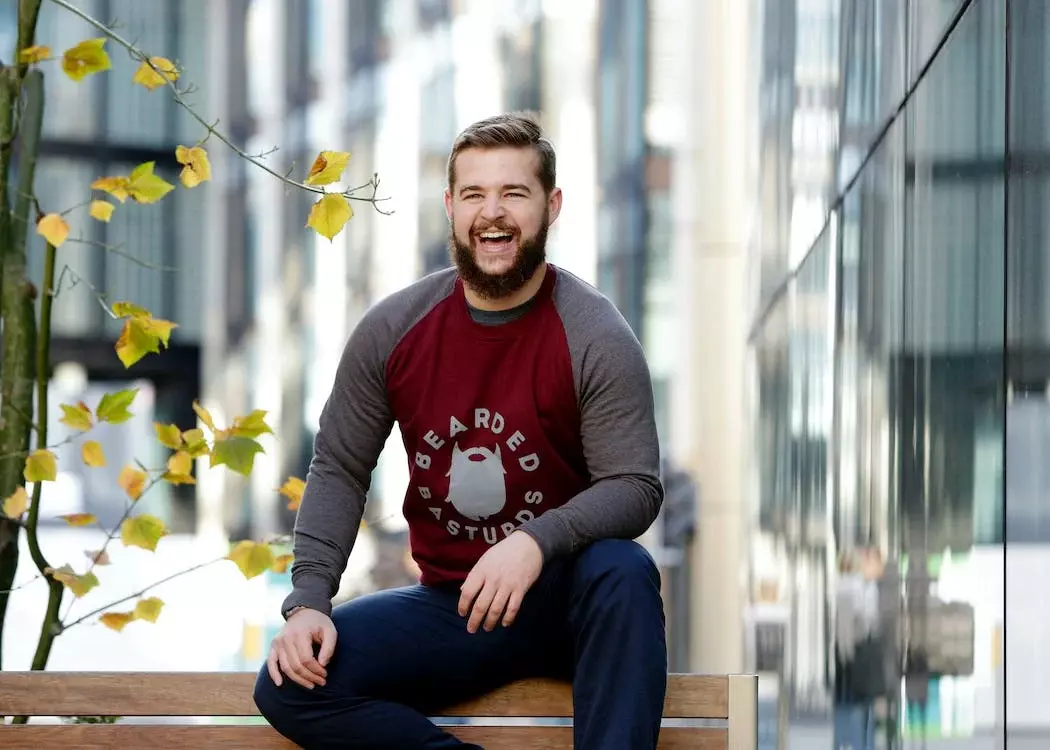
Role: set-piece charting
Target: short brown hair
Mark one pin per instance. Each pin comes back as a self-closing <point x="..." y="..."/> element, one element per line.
<point x="514" y="130"/>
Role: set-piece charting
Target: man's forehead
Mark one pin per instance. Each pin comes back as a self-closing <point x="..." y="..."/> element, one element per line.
<point x="490" y="165"/>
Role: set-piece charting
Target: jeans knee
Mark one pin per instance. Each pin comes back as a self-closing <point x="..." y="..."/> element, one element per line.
<point x="619" y="561"/>
<point x="267" y="697"/>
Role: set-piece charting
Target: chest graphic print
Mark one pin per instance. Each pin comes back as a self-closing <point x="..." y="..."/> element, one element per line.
<point x="488" y="476"/>
<point x="477" y="488"/>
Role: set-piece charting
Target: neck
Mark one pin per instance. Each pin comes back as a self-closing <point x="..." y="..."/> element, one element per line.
<point x="519" y="297"/>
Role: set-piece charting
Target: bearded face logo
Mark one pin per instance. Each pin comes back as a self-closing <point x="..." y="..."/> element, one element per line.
<point x="476" y="487"/>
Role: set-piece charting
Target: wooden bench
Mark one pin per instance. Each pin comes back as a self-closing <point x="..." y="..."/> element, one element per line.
<point x="727" y="703"/>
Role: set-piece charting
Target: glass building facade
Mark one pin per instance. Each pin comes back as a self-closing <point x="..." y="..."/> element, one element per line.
<point x="899" y="364"/>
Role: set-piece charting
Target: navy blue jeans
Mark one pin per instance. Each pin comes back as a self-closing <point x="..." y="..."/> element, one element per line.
<point x="595" y="618"/>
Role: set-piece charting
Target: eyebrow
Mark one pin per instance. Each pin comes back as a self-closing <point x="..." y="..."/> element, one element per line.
<point x="512" y="186"/>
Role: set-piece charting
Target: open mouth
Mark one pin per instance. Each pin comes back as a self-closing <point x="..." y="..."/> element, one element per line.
<point x="495" y="241"/>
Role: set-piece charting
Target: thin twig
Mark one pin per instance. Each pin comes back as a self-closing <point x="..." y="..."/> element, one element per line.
<point x="179" y="94"/>
<point x="22" y="585"/>
<point x="115" y="249"/>
<point x="78" y="279"/>
<point x="111" y="534"/>
<point x="19" y="454"/>
<point x="139" y="593"/>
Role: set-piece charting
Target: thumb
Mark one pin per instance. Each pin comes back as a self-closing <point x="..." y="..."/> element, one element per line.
<point x="328" y="636"/>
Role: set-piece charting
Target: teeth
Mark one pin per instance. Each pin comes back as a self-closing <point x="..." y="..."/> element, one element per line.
<point x="494" y="235"/>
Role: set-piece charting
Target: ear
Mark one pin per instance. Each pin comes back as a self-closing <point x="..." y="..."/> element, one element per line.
<point x="554" y="204"/>
<point x="448" y="204"/>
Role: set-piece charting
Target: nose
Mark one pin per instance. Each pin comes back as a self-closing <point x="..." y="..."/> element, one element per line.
<point x="492" y="208"/>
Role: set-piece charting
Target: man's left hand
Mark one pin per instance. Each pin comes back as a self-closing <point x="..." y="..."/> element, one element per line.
<point x="498" y="582"/>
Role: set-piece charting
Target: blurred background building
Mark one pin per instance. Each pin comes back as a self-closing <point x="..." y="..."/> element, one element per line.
<point x="823" y="218"/>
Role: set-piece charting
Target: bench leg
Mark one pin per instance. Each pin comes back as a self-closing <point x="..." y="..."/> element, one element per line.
<point x="743" y="712"/>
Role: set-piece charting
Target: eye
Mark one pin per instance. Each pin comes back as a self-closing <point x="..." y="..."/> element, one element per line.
<point x="471" y="196"/>
<point x="515" y="195"/>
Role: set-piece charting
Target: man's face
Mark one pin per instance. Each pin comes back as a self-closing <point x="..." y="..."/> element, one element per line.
<point x="500" y="216"/>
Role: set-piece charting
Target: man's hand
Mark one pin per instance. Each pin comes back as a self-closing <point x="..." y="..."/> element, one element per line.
<point x="498" y="582"/>
<point x="292" y="650"/>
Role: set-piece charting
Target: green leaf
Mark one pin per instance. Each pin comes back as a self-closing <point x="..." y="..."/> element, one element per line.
<point x="238" y="453"/>
<point x="113" y="407"/>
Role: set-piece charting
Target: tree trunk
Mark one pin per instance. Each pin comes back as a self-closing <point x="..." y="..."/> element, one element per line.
<point x="21" y="119"/>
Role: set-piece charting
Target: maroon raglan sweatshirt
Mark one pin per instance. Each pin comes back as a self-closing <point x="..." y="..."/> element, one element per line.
<point x="543" y="423"/>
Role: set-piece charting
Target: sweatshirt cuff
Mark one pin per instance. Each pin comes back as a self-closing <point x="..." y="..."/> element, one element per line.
<point x="306" y="597"/>
<point x="551" y="534"/>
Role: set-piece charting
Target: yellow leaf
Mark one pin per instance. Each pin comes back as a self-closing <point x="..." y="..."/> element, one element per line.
<point x="78" y="519"/>
<point x="132" y="481"/>
<point x="124" y="309"/>
<point x="238" y="453"/>
<point x="148" y="609"/>
<point x="78" y="584"/>
<point x="329" y="215"/>
<point x="327" y="168"/>
<point x="34" y="54"/>
<point x="113" y="407"/>
<point x="115" y="186"/>
<point x="16" y="504"/>
<point x="180" y="468"/>
<point x="143" y="531"/>
<point x="140" y="336"/>
<point x="97" y="557"/>
<point x="85" y="59"/>
<point x="168" y="435"/>
<point x="91" y="452"/>
<point x="196" y="445"/>
<point x="204" y="415"/>
<point x="53" y="228"/>
<point x="253" y="558"/>
<point x="102" y="210"/>
<point x="146" y="187"/>
<point x="281" y="563"/>
<point x="293" y="490"/>
<point x="196" y="167"/>
<point x="116" y="620"/>
<point x="78" y="417"/>
<point x="251" y="426"/>
<point x="41" y="466"/>
<point x="160" y="72"/>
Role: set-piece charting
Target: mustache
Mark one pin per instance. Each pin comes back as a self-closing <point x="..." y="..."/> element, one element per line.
<point x="499" y="225"/>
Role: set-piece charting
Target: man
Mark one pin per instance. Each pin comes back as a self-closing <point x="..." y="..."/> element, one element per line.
<point x="525" y="407"/>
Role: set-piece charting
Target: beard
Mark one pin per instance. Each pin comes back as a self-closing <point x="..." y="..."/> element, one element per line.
<point x="531" y="254"/>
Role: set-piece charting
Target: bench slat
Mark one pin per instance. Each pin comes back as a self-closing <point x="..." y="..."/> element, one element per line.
<point x="171" y="737"/>
<point x="230" y="694"/>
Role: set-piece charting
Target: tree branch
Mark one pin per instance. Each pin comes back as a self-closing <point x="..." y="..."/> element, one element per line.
<point x="112" y="534"/>
<point x="22" y="585"/>
<point x="115" y="249"/>
<point x="139" y="593"/>
<point x="179" y="97"/>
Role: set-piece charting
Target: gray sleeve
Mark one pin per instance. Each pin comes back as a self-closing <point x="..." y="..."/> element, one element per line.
<point x="618" y="430"/>
<point x="354" y="425"/>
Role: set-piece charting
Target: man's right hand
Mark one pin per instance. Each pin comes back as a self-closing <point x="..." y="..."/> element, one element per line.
<point x="292" y="650"/>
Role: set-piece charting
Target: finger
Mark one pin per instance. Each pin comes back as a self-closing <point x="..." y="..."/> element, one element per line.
<point x="328" y="638"/>
<point x="290" y="666"/>
<point x="481" y="606"/>
<point x="513" y="606"/>
<point x="470" y="589"/>
<point x="499" y="603"/>
<point x="308" y="667"/>
<point x="271" y="667"/>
